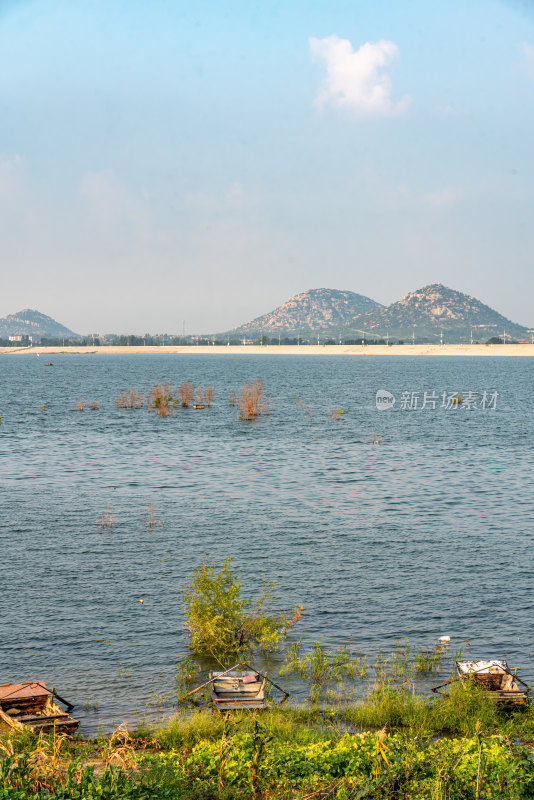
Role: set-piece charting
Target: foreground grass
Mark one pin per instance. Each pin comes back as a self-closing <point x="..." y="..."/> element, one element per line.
<point x="394" y="744"/>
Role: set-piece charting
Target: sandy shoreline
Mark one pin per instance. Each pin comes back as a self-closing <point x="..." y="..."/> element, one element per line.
<point x="522" y="350"/>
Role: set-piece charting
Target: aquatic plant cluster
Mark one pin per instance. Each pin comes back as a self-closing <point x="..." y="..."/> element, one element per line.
<point x="164" y="397"/>
<point x="221" y="624"/>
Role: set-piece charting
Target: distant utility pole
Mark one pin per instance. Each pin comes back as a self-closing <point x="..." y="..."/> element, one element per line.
<point x="413" y="334"/>
<point x="471" y="335"/>
<point x="387" y="336"/>
<point x="441" y="336"/>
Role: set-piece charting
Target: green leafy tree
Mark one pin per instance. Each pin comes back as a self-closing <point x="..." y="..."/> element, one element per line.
<point x="222" y="624"/>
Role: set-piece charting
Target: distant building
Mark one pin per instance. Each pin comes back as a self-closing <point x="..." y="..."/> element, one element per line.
<point x="23" y="338"/>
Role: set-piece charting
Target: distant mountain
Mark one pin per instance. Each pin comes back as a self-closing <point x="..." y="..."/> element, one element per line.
<point x="33" y="323"/>
<point x="309" y="311"/>
<point x="433" y="309"/>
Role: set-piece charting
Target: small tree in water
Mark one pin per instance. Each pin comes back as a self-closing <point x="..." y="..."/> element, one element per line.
<point x="222" y="624"/>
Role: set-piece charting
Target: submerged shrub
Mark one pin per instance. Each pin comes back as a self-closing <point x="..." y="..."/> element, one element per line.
<point x="252" y="402"/>
<point x="186" y="392"/>
<point x="221" y="623"/>
<point x="160" y="399"/>
<point x="129" y="398"/>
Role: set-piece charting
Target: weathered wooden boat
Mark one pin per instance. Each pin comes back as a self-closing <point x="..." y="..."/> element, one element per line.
<point x="238" y="687"/>
<point x="33" y="706"/>
<point x="235" y="689"/>
<point x="198" y="405"/>
<point x="494" y="676"/>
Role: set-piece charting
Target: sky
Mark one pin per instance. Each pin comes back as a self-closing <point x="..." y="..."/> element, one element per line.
<point x="168" y="165"/>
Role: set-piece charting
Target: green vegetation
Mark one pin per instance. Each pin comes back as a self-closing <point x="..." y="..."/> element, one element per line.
<point x="367" y="732"/>
<point x="222" y="624"/>
<point x="322" y="667"/>
<point x="304" y="754"/>
<point x="257" y="764"/>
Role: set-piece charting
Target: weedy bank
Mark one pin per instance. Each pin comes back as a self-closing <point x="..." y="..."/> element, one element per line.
<point x="308" y="754"/>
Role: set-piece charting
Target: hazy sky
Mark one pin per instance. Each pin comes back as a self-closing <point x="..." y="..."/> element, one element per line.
<point x="163" y="161"/>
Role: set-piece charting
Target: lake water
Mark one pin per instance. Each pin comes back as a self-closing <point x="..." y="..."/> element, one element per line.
<point x="427" y="533"/>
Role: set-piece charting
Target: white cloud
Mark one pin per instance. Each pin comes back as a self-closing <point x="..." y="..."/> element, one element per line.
<point x="355" y="79"/>
<point x="528" y="52"/>
<point x="107" y="201"/>
<point x="449" y="111"/>
<point x="387" y="194"/>
<point x="442" y="198"/>
<point x="234" y="198"/>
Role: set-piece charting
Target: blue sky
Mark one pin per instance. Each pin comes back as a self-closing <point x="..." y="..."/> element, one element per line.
<point x="169" y="161"/>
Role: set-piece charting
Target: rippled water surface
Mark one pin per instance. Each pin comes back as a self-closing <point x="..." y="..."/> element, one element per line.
<point x="427" y="533"/>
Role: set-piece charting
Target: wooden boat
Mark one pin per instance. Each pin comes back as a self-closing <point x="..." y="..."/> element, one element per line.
<point x="238" y="687"/>
<point x="501" y="683"/>
<point x="33" y="706"/>
<point x="494" y="676"/>
<point x="231" y="690"/>
<point x="198" y="405"/>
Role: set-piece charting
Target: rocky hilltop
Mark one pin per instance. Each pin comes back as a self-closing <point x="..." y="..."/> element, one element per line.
<point x="309" y="311"/>
<point x="436" y="309"/>
<point x="429" y="314"/>
<point x="33" y="323"/>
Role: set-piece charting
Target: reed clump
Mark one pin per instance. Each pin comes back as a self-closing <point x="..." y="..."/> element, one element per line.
<point x="161" y="399"/>
<point x="232" y="400"/>
<point x="186" y="393"/>
<point x="80" y="404"/>
<point x="208" y="395"/>
<point x="94" y="406"/>
<point x="322" y="667"/>
<point x="252" y="402"/>
<point x="152" y="519"/>
<point x="129" y="398"/>
<point x="106" y="518"/>
<point x="199" y="399"/>
<point x="336" y="413"/>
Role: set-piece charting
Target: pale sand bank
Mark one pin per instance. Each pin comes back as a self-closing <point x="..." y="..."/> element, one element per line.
<point x="294" y="350"/>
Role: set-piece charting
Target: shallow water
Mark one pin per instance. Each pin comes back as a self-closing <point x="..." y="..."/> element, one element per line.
<point x="427" y="533"/>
